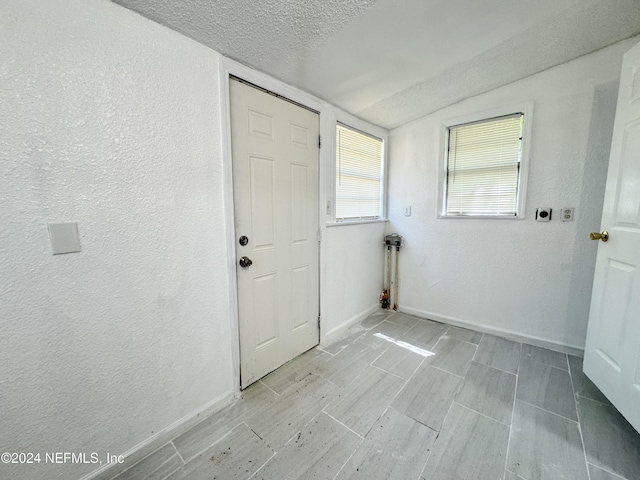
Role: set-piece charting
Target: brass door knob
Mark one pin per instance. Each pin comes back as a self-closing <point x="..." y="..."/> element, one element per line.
<point x="604" y="236"/>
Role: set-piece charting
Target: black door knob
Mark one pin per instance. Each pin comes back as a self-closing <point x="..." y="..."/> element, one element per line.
<point x="243" y="240"/>
<point x="245" y="262"/>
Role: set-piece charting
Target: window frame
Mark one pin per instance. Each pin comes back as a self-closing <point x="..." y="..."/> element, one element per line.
<point x="365" y="128"/>
<point x="523" y="174"/>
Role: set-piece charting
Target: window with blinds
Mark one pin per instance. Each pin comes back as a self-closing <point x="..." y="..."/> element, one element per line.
<point x="483" y="167"/>
<point x="358" y="175"/>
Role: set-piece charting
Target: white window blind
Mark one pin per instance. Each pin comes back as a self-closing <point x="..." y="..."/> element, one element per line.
<point x="483" y="167"/>
<point x="358" y="175"/>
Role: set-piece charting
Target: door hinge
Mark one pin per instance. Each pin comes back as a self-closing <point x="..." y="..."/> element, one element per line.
<point x="319" y="141"/>
<point x="319" y="235"/>
<point x="319" y="320"/>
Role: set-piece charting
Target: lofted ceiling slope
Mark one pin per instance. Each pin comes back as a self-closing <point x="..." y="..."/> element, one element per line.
<point x="392" y="61"/>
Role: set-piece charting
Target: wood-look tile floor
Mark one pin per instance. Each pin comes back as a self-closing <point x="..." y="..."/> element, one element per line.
<point x="400" y="397"/>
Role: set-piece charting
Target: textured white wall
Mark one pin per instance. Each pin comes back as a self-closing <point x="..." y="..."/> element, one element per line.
<point x="112" y="121"/>
<point x="352" y="275"/>
<point x="517" y="276"/>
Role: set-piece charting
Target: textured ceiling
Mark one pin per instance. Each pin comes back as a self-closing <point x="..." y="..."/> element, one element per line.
<point x="392" y="61"/>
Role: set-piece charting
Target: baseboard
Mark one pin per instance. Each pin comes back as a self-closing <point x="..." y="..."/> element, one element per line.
<point x="531" y="340"/>
<point x="335" y="332"/>
<point x="161" y="438"/>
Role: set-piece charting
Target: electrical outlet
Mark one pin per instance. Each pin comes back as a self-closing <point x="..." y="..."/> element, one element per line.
<point x="566" y="214"/>
<point x="328" y="210"/>
<point x="543" y="214"/>
<point x="407" y="211"/>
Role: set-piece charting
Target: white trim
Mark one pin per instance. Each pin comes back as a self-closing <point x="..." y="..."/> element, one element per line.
<point x="228" y="68"/>
<point x="229" y="215"/>
<point x="523" y="177"/>
<point x="356" y="123"/>
<point x="329" y="115"/>
<point x="160" y="438"/>
<point x="336" y="332"/>
<point x="519" y="337"/>
<point x="357" y="222"/>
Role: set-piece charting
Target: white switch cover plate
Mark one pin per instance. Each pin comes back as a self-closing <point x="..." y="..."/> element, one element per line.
<point x="543" y="214"/>
<point x="64" y="237"/>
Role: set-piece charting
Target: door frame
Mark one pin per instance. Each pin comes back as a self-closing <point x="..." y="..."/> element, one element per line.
<point x="228" y="68"/>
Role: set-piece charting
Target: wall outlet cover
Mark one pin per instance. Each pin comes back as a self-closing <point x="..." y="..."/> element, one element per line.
<point x="566" y="214"/>
<point x="543" y="214"/>
<point x="64" y="237"/>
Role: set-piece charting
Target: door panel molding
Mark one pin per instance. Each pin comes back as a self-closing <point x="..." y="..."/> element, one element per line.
<point x="612" y="351"/>
<point x="276" y="204"/>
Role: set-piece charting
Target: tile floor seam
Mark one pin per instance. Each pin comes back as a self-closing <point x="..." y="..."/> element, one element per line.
<point x="324" y="351"/>
<point x="422" y="363"/>
<point x="605" y="470"/>
<point x="460" y="340"/>
<point x="575" y="402"/>
<point x="231" y="429"/>
<point x="513" y="409"/>
<point x="473" y="359"/>
<point x="593" y="400"/>
<point x="498" y="369"/>
<point x="446" y="371"/>
<point x="606" y="405"/>
<point x="321" y="412"/>
<point x="381" y="353"/>
<point x="426" y="462"/>
<point x="263" y="465"/>
<point x="345" y="426"/>
<point x="438" y="433"/>
<point x="546" y="365"/>
<point x="421" y="422"/>
<point x="515" y="474"/>
<point x="143" y="459"/>
<point x="385" y="371"/>
<point x="273" y="391"/>
<point x="177" y="452"/>
<point x="495" y="368"/>
<point x="399" y="324"/>
<point x="548" y="411"/>
<point x="406" y="381"/>
<point x="466" y="370"/>
<point x="482" y="414"/>
<point x="350" y="456"/>
<point x="172" y="471"/>
<point x="437" y="342"/>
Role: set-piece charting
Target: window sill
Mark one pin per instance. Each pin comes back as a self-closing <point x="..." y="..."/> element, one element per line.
<point x="482" y="217"/>
<point x="356" y="222"/>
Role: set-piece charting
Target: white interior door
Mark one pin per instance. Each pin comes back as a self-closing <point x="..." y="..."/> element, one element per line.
<point x="275" y="181"/>
<point x="612" y="352"/>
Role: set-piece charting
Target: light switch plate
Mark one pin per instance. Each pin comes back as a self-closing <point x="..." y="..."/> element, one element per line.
<point x="64" y="237"/>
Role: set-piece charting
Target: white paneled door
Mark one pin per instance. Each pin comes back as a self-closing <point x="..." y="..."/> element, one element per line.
<point x="275" y="182"/>
<point x="612" y="352"/>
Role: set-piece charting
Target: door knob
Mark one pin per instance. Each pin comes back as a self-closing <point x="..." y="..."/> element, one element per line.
<point x="604" y="236"/>
<point x="245" y="262"/>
